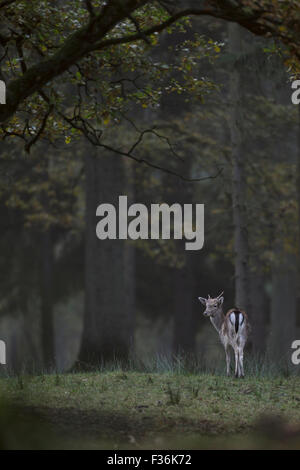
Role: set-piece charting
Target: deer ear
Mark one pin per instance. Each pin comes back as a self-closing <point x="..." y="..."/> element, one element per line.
<point x="202" y="300"/>
<point x="221" y="300"/>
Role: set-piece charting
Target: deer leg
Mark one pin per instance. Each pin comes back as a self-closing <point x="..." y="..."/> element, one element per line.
<point x="227" y="353"/>
<point x="241" y="360"/>
<point x="237" y="368"/>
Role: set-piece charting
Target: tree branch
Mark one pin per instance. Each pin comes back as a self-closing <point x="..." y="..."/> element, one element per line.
<point x="6" y="3"/>
<point x="239" y="17"/>
<point x="91" y="37"/>
<point x="90" y="8"/>
<point x="77" y="46"/>
<point x="140" y="32"/>
<point x="40" y="131"/>
<point x="95" y="140"/>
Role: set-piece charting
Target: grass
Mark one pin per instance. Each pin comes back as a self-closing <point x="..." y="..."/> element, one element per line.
<point x="171" y="409"/>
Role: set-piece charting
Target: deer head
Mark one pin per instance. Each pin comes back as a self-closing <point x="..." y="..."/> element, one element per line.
<point x="212" y="304"/>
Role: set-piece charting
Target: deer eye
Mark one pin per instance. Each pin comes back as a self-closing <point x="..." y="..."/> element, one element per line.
<point x="215" y="305"/>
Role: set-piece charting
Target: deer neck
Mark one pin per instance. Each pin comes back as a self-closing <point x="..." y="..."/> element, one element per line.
<point x="218" y="319"/>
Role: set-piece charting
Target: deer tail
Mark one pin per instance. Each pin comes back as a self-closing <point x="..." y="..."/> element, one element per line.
<point x="237" y="319"/>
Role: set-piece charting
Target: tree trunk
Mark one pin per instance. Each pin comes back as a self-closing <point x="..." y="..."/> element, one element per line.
<point x="109" y="270"/>
<point x="283" y="308"/>
<point x="258" y="314"/>
<point x="185" y="318"/>
<point x="46" y="286"/>
<point x="184" y="294"/>
<point x="238" y="176"/>
<point x="298" y="252"/>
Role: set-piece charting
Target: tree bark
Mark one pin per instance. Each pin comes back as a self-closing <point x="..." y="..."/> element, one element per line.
<point x="184" y="292"/>
<point x="238" y="175"/>
<point x="258" y="314"/>
<point x="283" y="308"/>
<point x="298" y="187"/>
<point x="297" y="332"/>
<point x="298" y="196"/>
<point x="109" y="318"/>
<point x="185" y="316"/>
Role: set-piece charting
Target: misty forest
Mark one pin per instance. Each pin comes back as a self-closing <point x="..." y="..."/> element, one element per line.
<point x="184" y="102"/>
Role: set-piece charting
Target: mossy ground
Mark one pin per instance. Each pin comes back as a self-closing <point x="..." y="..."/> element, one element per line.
<point x="135" y="410"/>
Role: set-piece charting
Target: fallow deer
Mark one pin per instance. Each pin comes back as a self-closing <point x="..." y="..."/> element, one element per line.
<point x="233" y="329"/>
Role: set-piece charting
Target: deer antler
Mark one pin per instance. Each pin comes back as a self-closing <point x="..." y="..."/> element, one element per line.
<point x="220" y="295"/>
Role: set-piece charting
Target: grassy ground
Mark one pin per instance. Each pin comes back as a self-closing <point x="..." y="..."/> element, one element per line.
<point x="135" y="410"/>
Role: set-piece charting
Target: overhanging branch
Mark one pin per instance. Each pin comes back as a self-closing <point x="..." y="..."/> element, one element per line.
<point x="91" y="37"/>
<point x="95" y="139"/>
<point x="6" y="3"/>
